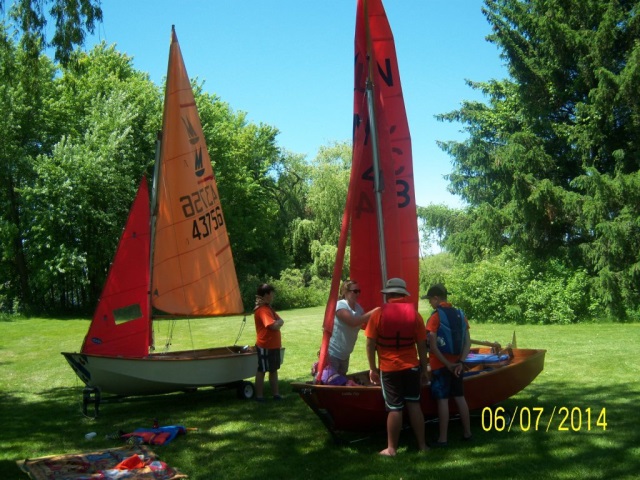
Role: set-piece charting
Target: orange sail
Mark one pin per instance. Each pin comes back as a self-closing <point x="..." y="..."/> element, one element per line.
<point x="192" y="269"/>
<point x="377" y="90"/>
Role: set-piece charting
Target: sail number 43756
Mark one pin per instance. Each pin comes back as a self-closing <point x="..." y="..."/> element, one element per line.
<point x="204" y="225"/>
<point x="201" y="204"/>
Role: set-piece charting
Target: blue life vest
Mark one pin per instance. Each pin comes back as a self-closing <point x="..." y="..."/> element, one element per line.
<point x="452" y="331"/>
<point x="397" y="326"/>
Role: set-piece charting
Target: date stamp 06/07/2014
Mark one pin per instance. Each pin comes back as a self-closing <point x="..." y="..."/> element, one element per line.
<point x="562" y="419"/>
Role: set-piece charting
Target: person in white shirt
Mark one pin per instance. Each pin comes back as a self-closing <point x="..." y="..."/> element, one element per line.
<point x="349" y="320"/>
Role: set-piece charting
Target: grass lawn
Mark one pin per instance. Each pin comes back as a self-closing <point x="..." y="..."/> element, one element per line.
<point x="589" y="369"/>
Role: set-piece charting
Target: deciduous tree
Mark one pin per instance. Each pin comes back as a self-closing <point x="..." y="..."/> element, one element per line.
<point x="72" y="19"/>
<point x="81" y="191"/>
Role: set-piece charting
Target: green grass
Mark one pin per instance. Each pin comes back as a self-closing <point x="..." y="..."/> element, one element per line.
<point x="592" y="366"/>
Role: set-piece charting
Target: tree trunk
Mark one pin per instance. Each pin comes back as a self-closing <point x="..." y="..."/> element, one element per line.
<point x="19" y="259"/>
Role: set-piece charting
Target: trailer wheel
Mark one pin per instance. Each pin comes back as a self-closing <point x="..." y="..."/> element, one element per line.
<point x="246" y="390"/>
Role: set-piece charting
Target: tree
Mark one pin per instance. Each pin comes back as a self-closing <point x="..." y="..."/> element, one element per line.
<point x="551" y="163"/>
<point x="72" y="18"/>
<point x="245" y="159"/>
<point x="293" y="178"/>
<point x="27" y="131"/>
<point x="315" y="235"/>
<point x="328" y="191"/>
<point x="81" y="192"/>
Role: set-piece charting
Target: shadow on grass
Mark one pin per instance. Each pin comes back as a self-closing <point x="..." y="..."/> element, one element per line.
<point x="244" y="439"/>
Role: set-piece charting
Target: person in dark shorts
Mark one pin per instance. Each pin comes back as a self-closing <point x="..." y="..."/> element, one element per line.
<point x="449" y="344"/>
<point x="394" y="332"/>
<point x="268" y="341"/>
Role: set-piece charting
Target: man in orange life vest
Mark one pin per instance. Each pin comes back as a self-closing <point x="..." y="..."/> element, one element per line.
<point x="394" y="332"/>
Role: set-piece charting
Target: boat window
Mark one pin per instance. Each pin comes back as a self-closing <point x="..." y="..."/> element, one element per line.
<point x="126" y="314"/>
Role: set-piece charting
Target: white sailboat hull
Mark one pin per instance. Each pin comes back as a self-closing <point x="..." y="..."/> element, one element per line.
<point x="165" y="372"/>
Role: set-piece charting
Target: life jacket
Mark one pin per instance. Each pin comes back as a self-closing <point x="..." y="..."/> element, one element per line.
<point x="452" y="330"/>
<point x="397" y="326"/>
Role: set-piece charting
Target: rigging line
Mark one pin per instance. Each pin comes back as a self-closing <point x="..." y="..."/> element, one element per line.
<point x="191" y="334"/>
<point x="242" y="325"/>
<point x="167" y="343"/>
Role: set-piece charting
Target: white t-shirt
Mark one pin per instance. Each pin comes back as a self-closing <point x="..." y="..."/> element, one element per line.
<point x="344" y="337"/>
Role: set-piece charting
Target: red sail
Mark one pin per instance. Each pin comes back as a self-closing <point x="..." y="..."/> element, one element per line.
<point x="396" y="165"/>
<point x="375" y="60"/>
<point x="121" y="323"/>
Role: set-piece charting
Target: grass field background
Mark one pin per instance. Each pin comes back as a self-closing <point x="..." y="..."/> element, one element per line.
<point x="589" y="368"/>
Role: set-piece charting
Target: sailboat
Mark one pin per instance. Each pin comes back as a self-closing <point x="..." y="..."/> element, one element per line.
<point x="381" y="198"/>
<point x="173" y="257"/>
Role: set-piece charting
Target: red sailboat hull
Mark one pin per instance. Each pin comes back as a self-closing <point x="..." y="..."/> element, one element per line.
<point x="380" y="218"/>
<point x="361" y="408"/>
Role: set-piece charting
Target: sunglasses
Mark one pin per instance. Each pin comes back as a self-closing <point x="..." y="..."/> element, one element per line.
<point x="357" y="290"/>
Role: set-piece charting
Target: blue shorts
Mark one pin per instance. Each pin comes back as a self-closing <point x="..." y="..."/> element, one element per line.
<point x="445" y="384"/>
<point x="400" y="387"/>
<point x="268" y="359"/>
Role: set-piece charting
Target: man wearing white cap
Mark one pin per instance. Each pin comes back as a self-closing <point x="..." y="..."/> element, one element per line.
<point x="394" y="332"/>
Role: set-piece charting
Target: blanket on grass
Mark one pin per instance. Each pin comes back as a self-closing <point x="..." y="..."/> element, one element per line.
<point x="135" y="462"/>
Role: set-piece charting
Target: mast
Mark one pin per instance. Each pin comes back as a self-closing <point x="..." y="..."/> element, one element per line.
<point x="156" y="166"/>
<point x="152" y="227"/>
<point x="378" y="186"/>
<point x="154" y="197"/>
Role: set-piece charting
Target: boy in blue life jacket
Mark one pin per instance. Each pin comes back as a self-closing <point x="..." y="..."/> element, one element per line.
<point x="449" y="344"/>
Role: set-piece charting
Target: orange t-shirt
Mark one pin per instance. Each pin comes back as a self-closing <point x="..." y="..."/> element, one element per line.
<point x="433" y="324"/>
<point x="265" y="316"/>
<point x="392" y="359"/>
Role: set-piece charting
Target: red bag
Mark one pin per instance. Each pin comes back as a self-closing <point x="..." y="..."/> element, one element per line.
<point x="131" y="463"/>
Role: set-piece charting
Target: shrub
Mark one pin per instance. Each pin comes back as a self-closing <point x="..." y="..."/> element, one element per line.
<point x="487" y="290"/>
<point x="294" y="289"/>
<point x="435" y="269"/>
<point x="509" y="288"/>
<point x="557" y="296"/>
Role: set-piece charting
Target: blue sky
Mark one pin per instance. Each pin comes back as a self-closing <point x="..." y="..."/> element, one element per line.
<point x="289" y="63"/>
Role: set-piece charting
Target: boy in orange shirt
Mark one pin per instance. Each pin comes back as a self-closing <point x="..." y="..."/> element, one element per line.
<point x="268" y="341"/>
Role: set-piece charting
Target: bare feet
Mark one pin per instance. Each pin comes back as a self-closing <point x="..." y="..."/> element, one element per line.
<point x="388" y="452"/>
